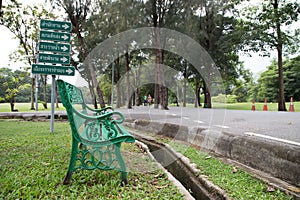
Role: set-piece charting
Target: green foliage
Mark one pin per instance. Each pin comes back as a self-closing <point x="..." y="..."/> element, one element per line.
<point x="23" y="22"/>
<point x="267" y="86"/>
<point x="221" y="98"/>
<point x="260" y="26"/>
<point x="34" y="162"/>
<point x="11" y="83"/>
<point x="239" y="185"/>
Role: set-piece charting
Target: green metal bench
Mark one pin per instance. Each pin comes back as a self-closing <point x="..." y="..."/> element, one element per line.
<point x="97" y="134"/>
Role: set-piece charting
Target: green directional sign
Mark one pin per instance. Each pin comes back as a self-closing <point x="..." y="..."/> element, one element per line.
<point x="53" y="70"/>
<point x="55" y="47"/>
<point x="56" y="25"/>
<point x="55" y="36"/>
<point x="54" y="58"/>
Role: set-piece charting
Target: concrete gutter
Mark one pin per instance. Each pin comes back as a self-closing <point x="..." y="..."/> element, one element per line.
<point x="276" y="159"/>
<point x="184" y="171"/>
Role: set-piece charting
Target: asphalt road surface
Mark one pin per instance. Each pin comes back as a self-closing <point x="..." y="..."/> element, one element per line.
<point x="280" y="126"/>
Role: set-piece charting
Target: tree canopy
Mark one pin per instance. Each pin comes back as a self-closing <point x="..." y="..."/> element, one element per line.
<point x="218" y="26"/>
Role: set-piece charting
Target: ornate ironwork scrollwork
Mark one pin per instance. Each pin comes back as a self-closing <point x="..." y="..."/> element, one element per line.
<point x="96" y="158"/>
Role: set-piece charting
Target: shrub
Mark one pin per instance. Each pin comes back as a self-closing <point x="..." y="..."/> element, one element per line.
<point x="221" y="98"/>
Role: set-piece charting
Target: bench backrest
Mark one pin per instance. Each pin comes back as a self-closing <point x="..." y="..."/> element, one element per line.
<point x="91" y="128"/>
<point x="72" y="98"/>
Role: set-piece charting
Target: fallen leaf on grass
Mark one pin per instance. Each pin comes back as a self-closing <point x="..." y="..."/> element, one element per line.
<point x="159" y="176"/>
<point x="270" y="188"/>
<point x="45" y="163"/>
<point x="153" y="182"/>
<point x="161" y="187"/>
<point x="234" y="169"/>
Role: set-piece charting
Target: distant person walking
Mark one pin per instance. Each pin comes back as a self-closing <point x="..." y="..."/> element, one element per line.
<point x="149" y="100"/>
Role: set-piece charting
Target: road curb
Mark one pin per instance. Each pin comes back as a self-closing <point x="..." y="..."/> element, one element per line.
<point x="275" y="158"/>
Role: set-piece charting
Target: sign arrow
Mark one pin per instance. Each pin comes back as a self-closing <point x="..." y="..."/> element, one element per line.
<point x="64" y="48"/>
<point x="65" y="26"/>
<point x="64" y="59"/>
<point x="69" y="71"/>
<point x="65" y="37"/>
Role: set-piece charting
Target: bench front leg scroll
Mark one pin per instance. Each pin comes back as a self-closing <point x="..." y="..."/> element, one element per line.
<point x="122" y="164"/>
<point x="71" y="169"/>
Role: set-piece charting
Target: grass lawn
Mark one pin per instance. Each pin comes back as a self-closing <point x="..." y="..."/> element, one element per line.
<point x="25" y="107"/>
<point x="34" y="162"/>
<point x="258" y="106"/>
<point x="239" y="185"/>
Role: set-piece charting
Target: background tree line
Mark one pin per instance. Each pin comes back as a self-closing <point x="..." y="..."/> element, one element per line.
<point x="220" y="27"/>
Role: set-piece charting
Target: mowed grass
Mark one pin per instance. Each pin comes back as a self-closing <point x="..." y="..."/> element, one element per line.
<point x="34" y="162"/>
<point x="236" y="182"/>
<point x="258" y="106"/>
<point x="25" y="107"/>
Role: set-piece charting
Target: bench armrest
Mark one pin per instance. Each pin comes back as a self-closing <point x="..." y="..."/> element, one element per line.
<point x="99" y="117"/>
<point x="99" y="111"/>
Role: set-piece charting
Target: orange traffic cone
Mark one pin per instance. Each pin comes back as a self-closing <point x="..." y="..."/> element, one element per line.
<point x="291" y="109"/>
<point x="253" y="105"/>
<point x="265" y="105"/>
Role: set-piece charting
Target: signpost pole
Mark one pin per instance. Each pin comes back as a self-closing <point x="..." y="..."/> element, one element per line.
<point x="36" y="92"/>
<point x="52" y="104"/>
<point x="112" y="83"/>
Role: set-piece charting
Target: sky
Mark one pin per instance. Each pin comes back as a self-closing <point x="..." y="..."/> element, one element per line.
<point x="255" y="63"/>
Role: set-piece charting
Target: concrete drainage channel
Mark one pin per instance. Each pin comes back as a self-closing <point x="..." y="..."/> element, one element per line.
<point x="180" y="168"/>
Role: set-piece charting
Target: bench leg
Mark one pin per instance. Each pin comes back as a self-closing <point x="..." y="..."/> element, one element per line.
<point x="74" y="151"/>
<point x="122" y="164"/>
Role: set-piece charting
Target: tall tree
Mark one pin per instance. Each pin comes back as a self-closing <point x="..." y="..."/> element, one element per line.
<point x="23" y="23"/>
<point x="264" y="32"/>
<point x="217" y="35"/>
<point x="12" y="83"/>
<point x="111" y="18"/>
<point x="267" y="84"/>
<point x="159" y="12"/>
<point x="77" y="12"/>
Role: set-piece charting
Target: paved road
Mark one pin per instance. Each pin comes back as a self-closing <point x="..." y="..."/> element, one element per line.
<point x="283" y="126"/>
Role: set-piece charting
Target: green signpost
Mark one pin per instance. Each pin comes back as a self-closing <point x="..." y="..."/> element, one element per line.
<point x="55" y="47"/>
<point x="54" y="58"/>
<point x="57" y="52"/>
<point x="54" y="70"/>
<point x="56" y="25"/>
<point x="55" y="36"/>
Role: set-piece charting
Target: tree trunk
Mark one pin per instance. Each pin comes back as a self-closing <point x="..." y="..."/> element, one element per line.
<point x="96" y="85"/>
<point x="197" y="91"/>
<point x="118" y="76"/>
<point x="32" y="93"/>
<point x="184" y="93"/>
<point x="129" y="103"/>
<point x="12" y="104"/>
<point x="56" y="95"/>
<point x="94" y="99"/>
<point x="207" y="97"/>
<point x="44" y="78"/>
<point x="184" y="86"/>
<point x="138" y="90"/>
<point x="281" y="100"/>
